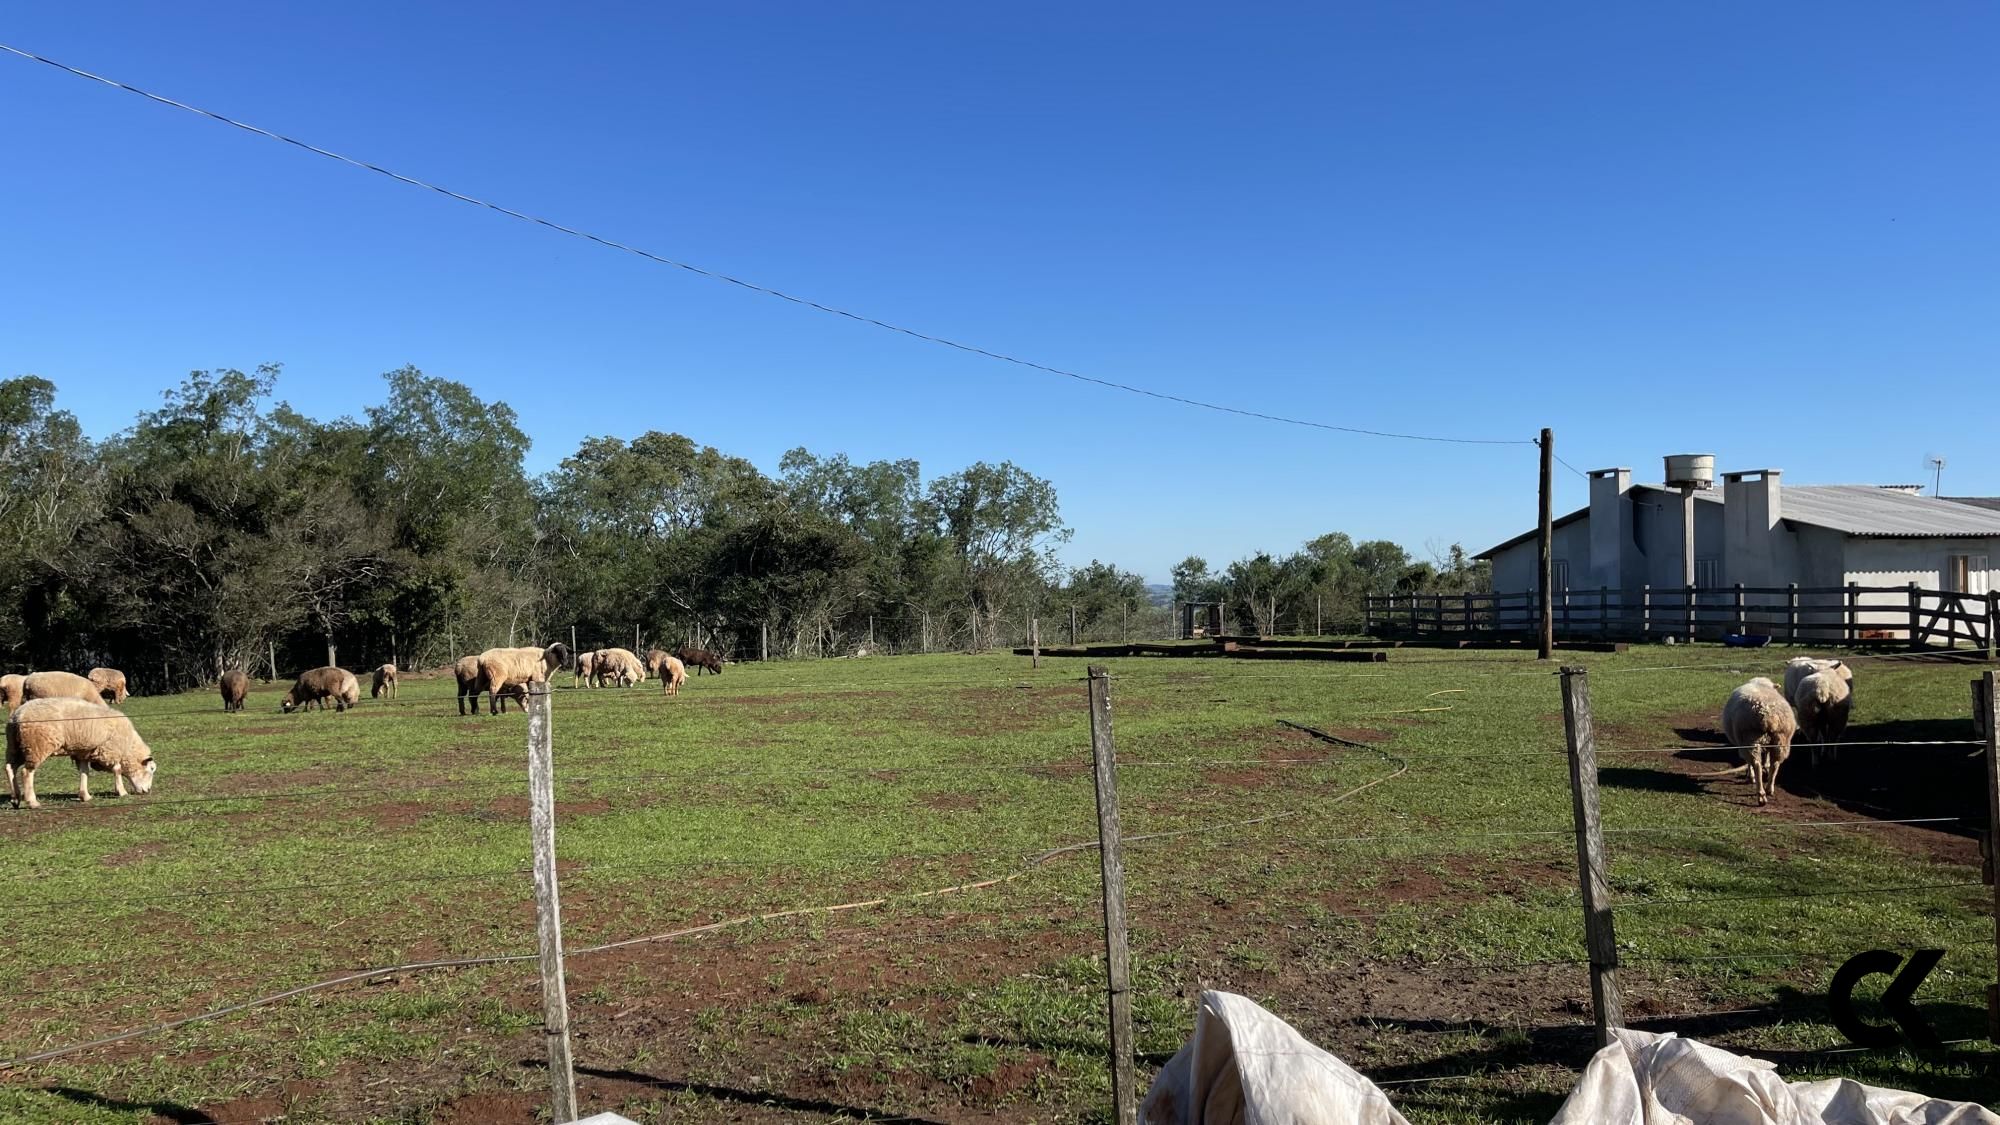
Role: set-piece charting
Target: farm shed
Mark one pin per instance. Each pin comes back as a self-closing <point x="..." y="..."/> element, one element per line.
<point x="1757" y="532"/>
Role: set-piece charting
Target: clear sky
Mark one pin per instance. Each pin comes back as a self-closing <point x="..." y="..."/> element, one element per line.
<point x="1769" y="231"/>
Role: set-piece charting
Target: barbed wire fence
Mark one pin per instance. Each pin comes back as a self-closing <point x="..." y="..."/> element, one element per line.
<point x="1603" y="960"/>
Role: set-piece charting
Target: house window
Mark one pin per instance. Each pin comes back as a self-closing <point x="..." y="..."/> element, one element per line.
<point x="1559" y="576"/>
<point x="1707" y="574"/>
<point x="1965" y="574"/>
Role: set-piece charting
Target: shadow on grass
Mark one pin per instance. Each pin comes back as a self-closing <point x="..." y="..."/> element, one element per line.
<point x="1897" y="781"/>
<point x="165" y="1111"/>
<point x="751" y="1097"/>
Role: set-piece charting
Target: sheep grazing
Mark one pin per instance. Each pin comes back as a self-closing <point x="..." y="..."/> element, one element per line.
<point x="672" y="674"/>
<point x="10" y="690"/>
<point x="1759" y="721"/>
<point x="618" y="666"/>
<point x="467" y="671"/>
<point x="656" y="658"/>
<point x="509" y="671"/>
<point x="385" y="681"/>
<point x="110" y="684"/>
<point x="59" y="685"/>
<point x="318" y="685"/>
<point x="586" y="669"/>
<point x="94" y="736"/>
<point x="701" y="658"/>
<point x="235" y="686"/>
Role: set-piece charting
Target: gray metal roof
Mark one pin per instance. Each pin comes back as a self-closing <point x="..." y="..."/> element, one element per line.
<point x="1860" y="509"/>
<point x="1855" y="509"/>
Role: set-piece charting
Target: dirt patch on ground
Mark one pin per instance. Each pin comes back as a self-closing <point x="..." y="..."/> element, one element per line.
<point x="137" y="853"/>
<point x="951" y="802"/>
<point x="490" y="1109"/>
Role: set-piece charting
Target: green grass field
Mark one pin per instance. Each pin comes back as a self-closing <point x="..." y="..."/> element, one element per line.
<point x="1426" y="929"/>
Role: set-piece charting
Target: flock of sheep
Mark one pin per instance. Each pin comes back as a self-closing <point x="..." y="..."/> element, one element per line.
<point x="54" y="714"/>
<point x="1762" y="721"/>
<point x="62" y="713"/>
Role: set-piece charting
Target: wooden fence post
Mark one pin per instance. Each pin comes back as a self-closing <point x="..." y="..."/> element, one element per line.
<point x="763" y="642"/>
<point x="548" y="906"/>
<point x="1319" y="624"/>
<point x="574" y="673"/>
<point x="1742" y="625"/>
<point x="1034" y="642"/>
<point x="274" y="659"/>
<point x="1646" y="611"/>
<point x="1117" y="957"/>
<point x="1072" y="623"/>
<point x="1853" y="613"/>
<point x="1687" y="609"/>
<point x="1992" y="722"/>
<point x="1604" y="611"/>
<point x="1992" y="623"/>
<point x="1791" y="613"/>
<point x="1598" y="934"/>
<point x="1916" y="602"/>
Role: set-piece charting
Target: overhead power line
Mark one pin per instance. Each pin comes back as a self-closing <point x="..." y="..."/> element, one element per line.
<point x="713" y="275"/>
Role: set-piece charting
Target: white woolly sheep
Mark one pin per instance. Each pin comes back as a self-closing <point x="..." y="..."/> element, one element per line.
<point x="1799" y="667"/>
<point x="619" y="666"/>
<point x="672" y="674"/>
<point x="1822" y="703"/>
<point x="235" y="686"/>
<point x="511" y="670"/>
<point x="586" y="669"/>
<point x="59" y="685"/>
<point x="110" y="684"/>
<point x="92" y="735"/>
<point x="10" y="690"/>
<point x="1759" y="721"/>
<point x="318" y="685"/>
<point x="385" y="680"/>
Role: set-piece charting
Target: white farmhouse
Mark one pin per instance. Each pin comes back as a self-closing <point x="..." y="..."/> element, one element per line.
<point x="1755" y="532"/>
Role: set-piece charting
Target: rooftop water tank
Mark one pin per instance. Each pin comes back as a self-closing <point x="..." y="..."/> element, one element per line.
<point x="1691" y="470"/>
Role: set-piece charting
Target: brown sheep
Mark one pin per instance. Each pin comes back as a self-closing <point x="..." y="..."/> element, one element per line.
<point x="59" y="685"/>
<point x="110" y="684"/>
<point x="385" y="680"/>
<point x="656" y="659"/>
<point x="509" y="671"/>
<point x="10" y="690"/>
<point x="318" y="685"/>
<point x="92" y="735"/>
<point x="235" y="686"/>
<point x="467" y="671"/>
<point x="672" y="674"/>
<point x="701" y="658"/>
<point x="619" y="666"/>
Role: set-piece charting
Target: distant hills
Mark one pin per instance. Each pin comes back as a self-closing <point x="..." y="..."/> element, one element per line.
<point x="1159" y="594"/>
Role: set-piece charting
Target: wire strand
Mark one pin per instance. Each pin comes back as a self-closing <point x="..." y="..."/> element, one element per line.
<point x="754" y="287"/>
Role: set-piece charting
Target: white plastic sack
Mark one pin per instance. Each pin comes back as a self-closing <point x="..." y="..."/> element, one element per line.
<point x="1651" y="1079"/>
<point x="1245" y="1066"/>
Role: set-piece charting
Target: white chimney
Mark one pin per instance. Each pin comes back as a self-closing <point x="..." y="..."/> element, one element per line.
<point x="1752" y="506"/>
<point x="1610" y="529"/>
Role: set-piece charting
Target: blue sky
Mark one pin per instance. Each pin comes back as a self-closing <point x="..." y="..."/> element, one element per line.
<point x="1765" y="231"/>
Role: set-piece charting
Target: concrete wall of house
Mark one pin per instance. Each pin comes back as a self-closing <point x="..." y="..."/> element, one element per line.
<point x="1613" y="556"/>
<point x="1657" y="538"/>
<point x="1899" y="562"/>
<point x="1514" y="568"/>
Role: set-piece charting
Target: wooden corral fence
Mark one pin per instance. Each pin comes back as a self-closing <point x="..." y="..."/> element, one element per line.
<point x="1852" y="614"/>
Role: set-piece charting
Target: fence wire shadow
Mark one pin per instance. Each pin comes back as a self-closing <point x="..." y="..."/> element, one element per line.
<point x="766" y="1098"/>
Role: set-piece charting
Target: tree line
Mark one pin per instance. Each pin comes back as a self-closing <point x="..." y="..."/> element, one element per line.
<point x="226" y="529"/>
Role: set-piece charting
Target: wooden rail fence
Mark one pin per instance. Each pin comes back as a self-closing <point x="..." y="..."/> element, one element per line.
<point x="1852" y="614"/>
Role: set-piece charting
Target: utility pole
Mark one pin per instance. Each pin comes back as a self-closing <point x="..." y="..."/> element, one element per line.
<point x="1544" y="569"/>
